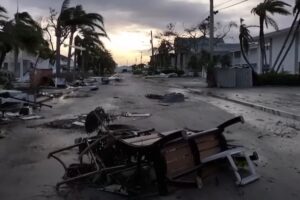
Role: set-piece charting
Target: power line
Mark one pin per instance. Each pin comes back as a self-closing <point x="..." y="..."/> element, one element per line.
<point x="233" y="5"/>
<point x="221" y="4"/>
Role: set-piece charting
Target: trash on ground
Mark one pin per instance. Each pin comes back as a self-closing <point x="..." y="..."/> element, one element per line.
<point x="115" y="77"/>
<point x="31" y="117"/>
<point x="141" y="161"/>
<point x="105" y="81"/>
<point x="167" y="98"/>
<point x="173" y="98"/>
<point x="94" y="88"/>
<point x="2" y="134"/>
<point x="80" y="124"/>
<point x="78" y="94"/>
<point x="69" y="123"/>
<point x="128" y="114"/>
<point x="26" y="110"/>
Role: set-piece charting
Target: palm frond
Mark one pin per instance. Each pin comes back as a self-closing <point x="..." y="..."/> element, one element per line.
<point x="65" y="5"/>
<point x="296" y="7"/>
<point x="272" y="22"/>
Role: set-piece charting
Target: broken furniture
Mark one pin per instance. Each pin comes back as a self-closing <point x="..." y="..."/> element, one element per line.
<point x="138" y="160"/>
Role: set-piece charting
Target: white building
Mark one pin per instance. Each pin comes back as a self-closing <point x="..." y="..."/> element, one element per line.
<point x="26" y="63"/>
<point x="274" y="42"/>
<point x="186" y="47"/>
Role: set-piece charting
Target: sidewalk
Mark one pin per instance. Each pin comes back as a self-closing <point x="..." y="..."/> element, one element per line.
<point x="281" y="101"/>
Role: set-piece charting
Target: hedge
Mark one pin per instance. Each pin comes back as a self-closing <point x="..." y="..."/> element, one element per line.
<point x="280" y="79"/>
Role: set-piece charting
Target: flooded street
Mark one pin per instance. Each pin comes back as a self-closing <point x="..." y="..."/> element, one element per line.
<point x="26" y="173"/>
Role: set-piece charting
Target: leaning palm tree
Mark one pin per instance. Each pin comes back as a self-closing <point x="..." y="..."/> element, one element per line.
<point x="245" y="39"/>
<point x="263" y="10"/>
<point x="2" y="12"/>
<point x="90" y="41"/>
<point x="25" y="33"/>
<point x="3" y="46"/>
<point x="79" y="19"/>
<point x="295" y="27"/>
<point x="59" y="31"/>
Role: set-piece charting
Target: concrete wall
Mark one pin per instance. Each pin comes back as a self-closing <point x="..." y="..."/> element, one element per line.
<point x="234" y="78"/>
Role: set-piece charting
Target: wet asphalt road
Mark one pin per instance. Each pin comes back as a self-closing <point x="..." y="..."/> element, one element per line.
<point x="26" y="173"/>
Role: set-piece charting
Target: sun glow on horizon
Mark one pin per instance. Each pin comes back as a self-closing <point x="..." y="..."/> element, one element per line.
<point x="126" y="46"/>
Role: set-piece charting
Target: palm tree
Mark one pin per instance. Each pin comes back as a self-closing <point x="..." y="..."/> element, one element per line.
<point x="91" y="42"/>
<point x="3" y="47"/>
<point x="79" y="19"/>
<point x="295" y="27"/>
<point x="25" y="34"/>
<point x="22" y="32"/>
<point x="263" y="10"/>
<point x="2" y="12"/>
<point x="245" y="39"/>
<point x="59" y="30"/>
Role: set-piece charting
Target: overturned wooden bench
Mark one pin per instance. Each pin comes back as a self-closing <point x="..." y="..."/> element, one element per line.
<point x="179" y="153"/>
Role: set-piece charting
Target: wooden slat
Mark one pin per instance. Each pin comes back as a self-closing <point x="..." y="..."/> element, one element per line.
<point x="209" y="152"/>
<point x="208" y="145"/>
<point x="142" y="138"/>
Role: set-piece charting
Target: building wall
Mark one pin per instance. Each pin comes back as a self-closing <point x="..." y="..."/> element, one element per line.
<point x="289" y="63"/>
<point x="274" y="43"/>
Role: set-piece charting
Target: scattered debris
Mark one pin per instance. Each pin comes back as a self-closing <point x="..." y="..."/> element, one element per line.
<point x="68" y="123"/>
<point x="26" y="110"/>
<point x="80" y="124"/>
<point x="167" y="98"/>
<point x="77" y="95"/>
<point x="154" y="96"/>
<point x="128" y="114"/>
<point x="31" y="117"/>
<point x="2" y="134"/>
<point x="105" y="81"/>
<point x="94" y="88"/>
<point x="173" y="98"/>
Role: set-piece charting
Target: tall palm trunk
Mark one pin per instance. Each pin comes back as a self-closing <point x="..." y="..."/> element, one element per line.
<point x="70" y="49"/>
<point x="285" y="42"/>
<point x="244" y="55"/>
<point x="58" y="38"/>
<point x="2" y="58"/>
<point x="262" y="42"/>
<point x="16" y="57"/>
<point x="289" y="47"/>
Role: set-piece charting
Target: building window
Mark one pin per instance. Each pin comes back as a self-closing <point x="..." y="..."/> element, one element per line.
<point x="5" y="66"/>
<point x="237" y="54"/>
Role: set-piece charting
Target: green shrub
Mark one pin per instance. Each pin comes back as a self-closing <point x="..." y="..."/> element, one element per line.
<point x="281" y="79"/>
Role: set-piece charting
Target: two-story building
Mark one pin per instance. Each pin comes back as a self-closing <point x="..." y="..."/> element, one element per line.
<point x="274" y="42"/>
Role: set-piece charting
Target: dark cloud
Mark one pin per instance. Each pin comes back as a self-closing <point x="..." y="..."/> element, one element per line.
<point x="143" y="15"/>
<point x="121" y="14"/>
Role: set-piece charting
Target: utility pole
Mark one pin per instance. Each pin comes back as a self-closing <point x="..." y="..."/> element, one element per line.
<point x="211" y="30"/>
<point x="141" y="57"/>
<point x="151" y="41"/>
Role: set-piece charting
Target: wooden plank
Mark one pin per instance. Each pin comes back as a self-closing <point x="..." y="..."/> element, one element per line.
<point x="146" y="142"/>
<point x="208" y="145"/>
<point x="206" y="138"/>
<point x="209" y="152"/>
<point x="142" y="138"/>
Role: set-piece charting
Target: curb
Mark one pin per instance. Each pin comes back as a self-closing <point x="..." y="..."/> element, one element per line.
<point x="259" y="107"/>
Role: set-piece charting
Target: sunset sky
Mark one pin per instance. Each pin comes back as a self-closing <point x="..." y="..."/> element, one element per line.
<point x="129" y="22"/>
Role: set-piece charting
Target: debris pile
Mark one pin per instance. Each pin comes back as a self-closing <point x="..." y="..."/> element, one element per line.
<point x="128" y="161"/>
